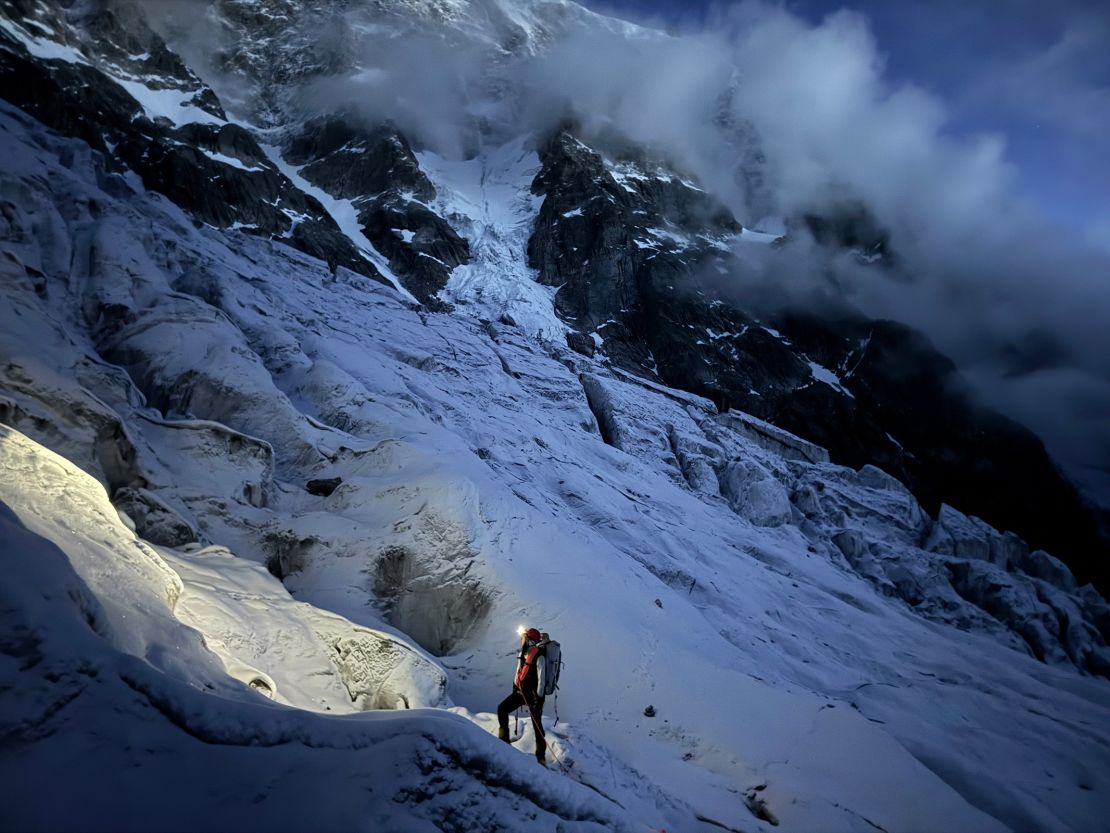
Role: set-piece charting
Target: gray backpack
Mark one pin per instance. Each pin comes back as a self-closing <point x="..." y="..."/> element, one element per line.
<point x="554" y="654"/>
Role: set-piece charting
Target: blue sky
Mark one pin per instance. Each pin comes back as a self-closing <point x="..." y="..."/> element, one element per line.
<point x="1035" y="72"/>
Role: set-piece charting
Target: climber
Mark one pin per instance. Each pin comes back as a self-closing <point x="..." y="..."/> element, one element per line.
<point x="528" y="687"/>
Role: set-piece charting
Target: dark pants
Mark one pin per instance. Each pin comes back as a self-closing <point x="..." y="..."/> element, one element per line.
<point x="513" y="702"/>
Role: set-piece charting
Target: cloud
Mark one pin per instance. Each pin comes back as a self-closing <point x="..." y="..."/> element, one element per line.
<point x="1018" y="303"/>
<point x="430" y="88"/>
<point x="985" y="275"/>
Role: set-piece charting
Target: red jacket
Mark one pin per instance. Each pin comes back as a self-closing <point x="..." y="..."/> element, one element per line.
<point x="531" y="668"/>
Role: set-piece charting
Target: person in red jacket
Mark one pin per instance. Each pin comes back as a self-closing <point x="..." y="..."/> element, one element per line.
<point x="528" y="686"/>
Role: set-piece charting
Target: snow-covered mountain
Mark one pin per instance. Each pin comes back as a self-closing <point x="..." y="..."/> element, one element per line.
<point x="302" y="417"/>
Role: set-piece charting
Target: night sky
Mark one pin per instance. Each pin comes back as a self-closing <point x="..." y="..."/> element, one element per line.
<point x="1037" y="73"/>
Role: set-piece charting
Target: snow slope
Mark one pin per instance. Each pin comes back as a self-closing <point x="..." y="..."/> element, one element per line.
<point x="696" y="562"/>
<point x="101" y="668"/>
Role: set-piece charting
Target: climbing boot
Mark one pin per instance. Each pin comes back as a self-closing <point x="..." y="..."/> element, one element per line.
<point x="503" y="734"/>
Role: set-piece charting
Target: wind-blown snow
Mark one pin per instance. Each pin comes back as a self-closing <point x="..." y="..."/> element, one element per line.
<point x="694" y="562"/>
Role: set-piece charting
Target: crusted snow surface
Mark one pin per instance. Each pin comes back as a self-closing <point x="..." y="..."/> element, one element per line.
<point x="758" y="597"/>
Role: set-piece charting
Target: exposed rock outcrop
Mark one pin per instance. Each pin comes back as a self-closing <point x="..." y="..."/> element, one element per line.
<point x="377" y="170"/>
<point x="154" y="519"/>
<point x="214" y="169"/>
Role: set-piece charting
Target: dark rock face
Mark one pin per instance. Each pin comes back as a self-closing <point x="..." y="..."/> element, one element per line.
<point x="351" y="162"/>
<point x="849" y="226"/>
<point x="268" y="46"/>
<point x="100" y="108"/>
<point x="154" y="520"/>
<point x="421" y="247"/>
<point x="581" y="343"/>
<point x="376" y="168"/>
<point x="914" y="417"/>
<point x="323" y="487"/>
<point x="633" y="248"/>
<point x="216" y="171"/>
<point x="612" y="237"/>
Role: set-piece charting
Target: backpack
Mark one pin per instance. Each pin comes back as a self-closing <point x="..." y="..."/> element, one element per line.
<point x="554" y="654"/>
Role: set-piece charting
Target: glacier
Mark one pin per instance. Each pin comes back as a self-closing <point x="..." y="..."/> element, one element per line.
<point x="210" y="643"/>
<point x="477" y="493"/>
